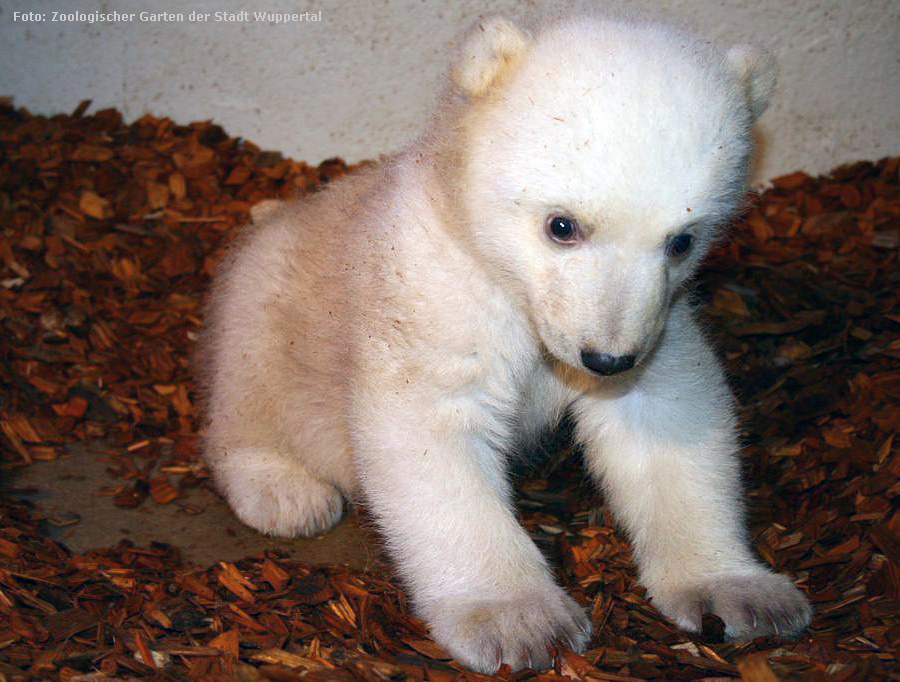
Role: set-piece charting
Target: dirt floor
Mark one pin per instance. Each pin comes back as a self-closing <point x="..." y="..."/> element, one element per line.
<point x="117" y="561"/>
<point x="68" y="491"/>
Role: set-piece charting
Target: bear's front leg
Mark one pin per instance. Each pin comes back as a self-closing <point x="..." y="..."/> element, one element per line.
<point x="662" y="443"/>
<point x="442" y="501"/>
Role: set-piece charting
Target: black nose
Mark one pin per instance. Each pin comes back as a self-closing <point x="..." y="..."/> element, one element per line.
<point x="603" y="363"/>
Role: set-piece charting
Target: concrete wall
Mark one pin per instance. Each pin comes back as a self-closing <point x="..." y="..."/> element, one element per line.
<point x="357" y="83"/>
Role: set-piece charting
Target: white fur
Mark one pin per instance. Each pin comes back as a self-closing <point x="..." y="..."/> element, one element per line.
<point x="395" y="336"/>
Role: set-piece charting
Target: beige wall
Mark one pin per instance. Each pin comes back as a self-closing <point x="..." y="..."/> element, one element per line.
<point x="358" y="83"/>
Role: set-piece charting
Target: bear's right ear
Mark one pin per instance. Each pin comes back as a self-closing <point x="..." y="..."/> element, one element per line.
<point x="489" y="50"/>
<point x="757" y="72"/>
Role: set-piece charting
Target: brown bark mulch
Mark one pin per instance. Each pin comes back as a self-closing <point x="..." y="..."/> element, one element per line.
<point x="108" y="235"/>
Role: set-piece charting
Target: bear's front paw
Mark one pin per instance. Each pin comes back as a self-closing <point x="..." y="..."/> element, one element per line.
<point x="750" y="604"/>
<point x="518" y="629"/>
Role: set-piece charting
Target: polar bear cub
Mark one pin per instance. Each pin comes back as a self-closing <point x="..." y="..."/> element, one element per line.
<point x="398" y="337"/>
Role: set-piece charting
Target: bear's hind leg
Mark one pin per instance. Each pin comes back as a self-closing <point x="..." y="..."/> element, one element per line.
<point x="275" y="494"/>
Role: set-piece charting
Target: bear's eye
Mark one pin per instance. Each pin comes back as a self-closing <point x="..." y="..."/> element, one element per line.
<point x="679" y="245"/>
<point x="562" y="229"/>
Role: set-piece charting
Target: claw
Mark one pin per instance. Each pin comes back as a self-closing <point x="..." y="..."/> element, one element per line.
<point x="585" y="631"/>
<point x="774" y="622"/>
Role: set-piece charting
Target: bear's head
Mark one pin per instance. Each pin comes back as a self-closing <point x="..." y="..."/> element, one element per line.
<point x="599" y="159"/>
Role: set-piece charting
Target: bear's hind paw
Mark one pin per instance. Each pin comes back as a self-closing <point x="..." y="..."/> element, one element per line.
<point x="277" y="496"/>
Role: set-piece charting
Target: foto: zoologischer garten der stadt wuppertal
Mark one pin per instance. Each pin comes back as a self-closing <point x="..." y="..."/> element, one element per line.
<point x="163" y="17"/>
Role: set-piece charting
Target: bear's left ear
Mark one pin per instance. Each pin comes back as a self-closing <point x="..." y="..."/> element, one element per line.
<point x="491" y="47"/>
<point x="757" y="71"/>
